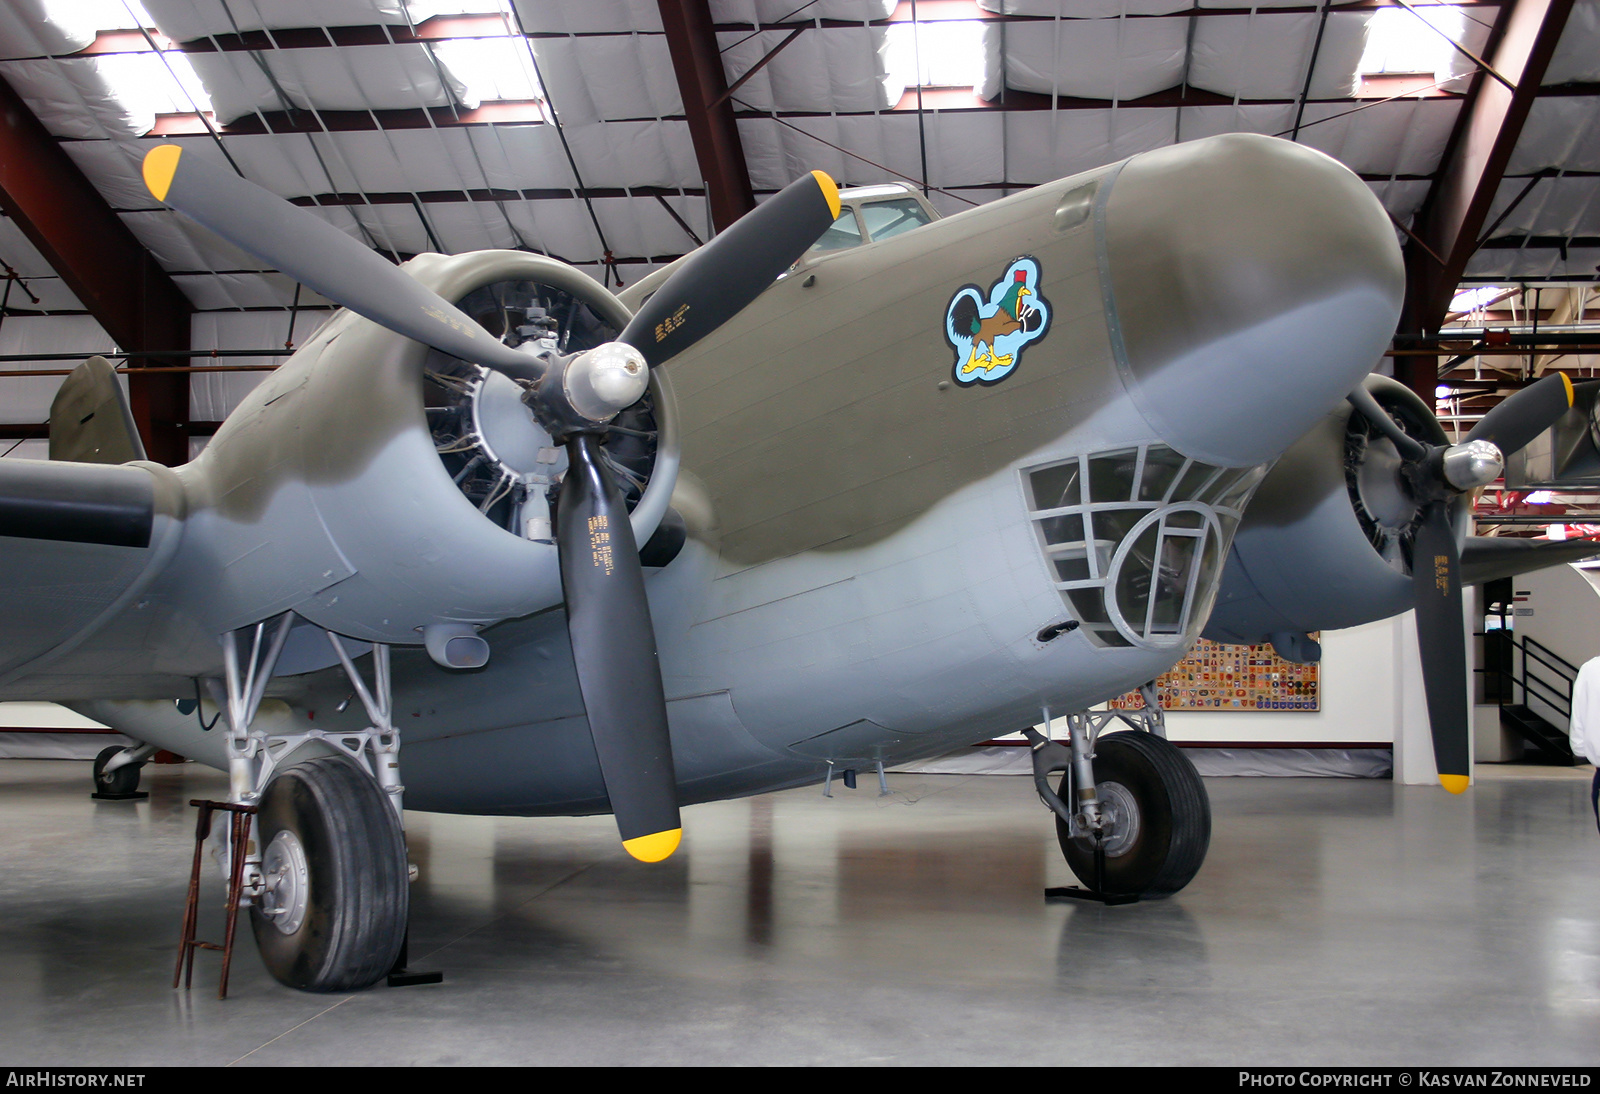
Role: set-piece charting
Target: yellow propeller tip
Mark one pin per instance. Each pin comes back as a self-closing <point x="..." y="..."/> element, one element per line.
<point x="830" y="190"/>
<point x="1566" y="382"/>
<point x="654" y="847"/>
<point x="1456" y="784"/>
<point x="160" y="164"/>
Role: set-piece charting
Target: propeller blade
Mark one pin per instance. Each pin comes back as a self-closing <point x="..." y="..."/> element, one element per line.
<point x="614" y="649"/>
<point x="1518" y="420"/>
<point x="608" y="616"/>
<point x="323" y="259"/>
<point x="1408" y="446"/>
<point x="733" y="269"/>
<point x="1436" y="588"/>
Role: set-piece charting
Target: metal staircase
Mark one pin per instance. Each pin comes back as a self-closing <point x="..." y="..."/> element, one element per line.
<point x="1517" y="666"/>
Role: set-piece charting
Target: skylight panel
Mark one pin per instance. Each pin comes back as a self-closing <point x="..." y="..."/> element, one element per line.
<point x="1473" y="299"/>
<point x="421" y="11"/>
<point x="95" y="15"/>
<point x="1400" y="41"/>
<point x="147" y="84"/>
<point x="491" y="68"/>
<point x="935" y="54"/>
<point x="142" y="81"/>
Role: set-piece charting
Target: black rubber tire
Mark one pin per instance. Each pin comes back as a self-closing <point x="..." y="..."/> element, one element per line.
<point x="358" y="893"/>
<point x="124" y="780"/>
<point x="1174" y="817"/>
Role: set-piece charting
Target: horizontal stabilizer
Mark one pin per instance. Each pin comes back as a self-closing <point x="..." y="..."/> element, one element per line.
<point x="1489" y="558"/>
<point x="76" y="502"/>
<point x="90" y="421"/>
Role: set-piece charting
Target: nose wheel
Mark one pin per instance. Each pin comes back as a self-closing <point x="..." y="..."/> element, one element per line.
<point x="119" y="780"/>
<point x="1155" y="819"/>
<point x="1132" y="815"/>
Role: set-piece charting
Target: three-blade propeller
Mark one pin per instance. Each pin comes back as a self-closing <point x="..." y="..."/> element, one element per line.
<point x="608" y="616"/>
<point x="1435" y="475"/>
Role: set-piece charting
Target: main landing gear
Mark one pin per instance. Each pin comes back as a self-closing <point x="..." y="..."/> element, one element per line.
<point x="1139" y="822"/>
<point x="331" y="915"/>
<point x="325" y="874"/>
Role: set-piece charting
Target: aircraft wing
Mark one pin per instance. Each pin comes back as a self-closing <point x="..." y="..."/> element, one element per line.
<point x="1488" y="558"/>
<point x="78" y="542"/>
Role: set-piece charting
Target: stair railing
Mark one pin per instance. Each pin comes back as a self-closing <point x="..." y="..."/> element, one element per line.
<point x="1545" y="676"/>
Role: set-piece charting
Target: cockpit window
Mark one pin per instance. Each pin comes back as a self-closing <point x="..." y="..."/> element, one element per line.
<point x="890" y="218"/>
<point x="870" y="221"/>
<point x="842" y="233"/>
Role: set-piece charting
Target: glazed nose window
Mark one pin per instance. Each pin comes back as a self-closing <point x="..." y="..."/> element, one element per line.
<point x="1135" y="537"/>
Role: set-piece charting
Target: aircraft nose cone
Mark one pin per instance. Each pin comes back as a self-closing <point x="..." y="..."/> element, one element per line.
<point x="1254" y="282"/>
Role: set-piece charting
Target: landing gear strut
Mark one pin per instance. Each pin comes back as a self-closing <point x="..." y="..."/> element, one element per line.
<point x="1140" y="820"/>
<point x="325" y="875"/>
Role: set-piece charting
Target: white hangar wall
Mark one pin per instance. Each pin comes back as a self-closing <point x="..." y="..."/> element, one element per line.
<point x="1563" y="615"/>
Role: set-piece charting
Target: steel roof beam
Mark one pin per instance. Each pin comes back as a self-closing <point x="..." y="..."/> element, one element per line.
<point x="702" y="81"/>
<point x="104" y="265"/>
<point x="1456" y="210"/>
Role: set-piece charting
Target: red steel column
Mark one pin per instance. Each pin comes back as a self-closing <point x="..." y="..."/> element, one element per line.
<point x="702" y="81"/>
<point x="1457" y="206"/>
<point x="102" y="262"/>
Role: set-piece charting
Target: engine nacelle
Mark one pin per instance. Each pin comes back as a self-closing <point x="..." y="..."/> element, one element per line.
<point x="1326" y="542"/>
<point x="430" y="505"/>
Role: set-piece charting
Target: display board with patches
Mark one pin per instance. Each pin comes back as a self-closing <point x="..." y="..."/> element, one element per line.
<point x="1238" y="678"/>
<point x="989" y="330"/>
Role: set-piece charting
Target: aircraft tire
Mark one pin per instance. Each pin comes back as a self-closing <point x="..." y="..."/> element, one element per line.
<point x="1172" y="829"/>
<point x="349" y="922"/>
<point x="124" y="780"/>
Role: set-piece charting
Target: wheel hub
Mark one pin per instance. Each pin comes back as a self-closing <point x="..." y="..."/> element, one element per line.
<point x="286" y="883"/>
<point x="1119" y="816"/>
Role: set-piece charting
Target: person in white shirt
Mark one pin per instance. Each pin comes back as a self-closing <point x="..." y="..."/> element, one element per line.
<point x="1586" y="725"/>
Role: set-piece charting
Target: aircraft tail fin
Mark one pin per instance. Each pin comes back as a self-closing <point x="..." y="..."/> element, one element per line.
<point x="90" y="421"/>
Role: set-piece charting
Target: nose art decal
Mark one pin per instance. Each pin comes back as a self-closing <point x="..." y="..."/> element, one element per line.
<point x="989" y="331"/>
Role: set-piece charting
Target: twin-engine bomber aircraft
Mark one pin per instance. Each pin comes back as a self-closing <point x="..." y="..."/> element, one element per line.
<point x="785" y="508"/>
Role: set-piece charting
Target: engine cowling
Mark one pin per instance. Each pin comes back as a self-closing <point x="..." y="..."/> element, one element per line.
<point x="1327" y="541"/>
<point x="377" y="487"/>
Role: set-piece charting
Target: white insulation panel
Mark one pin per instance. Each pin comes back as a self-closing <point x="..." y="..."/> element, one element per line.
<point x="1577" y="56"/>
<point x="840" y="68"/>
<point x="386" y="77"/>
<point x="213" y="395"/>
<point x="588" y="17"/>
<point x="27" y="398"/>
<point x="1553" y="207"/>
<point x="186" y="20"/>
<point x="34" y="28"/>
<point x="610" y="77"/>
<point x="1561" y="132"/>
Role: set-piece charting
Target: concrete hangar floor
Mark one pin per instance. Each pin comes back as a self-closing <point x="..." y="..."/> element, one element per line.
<point x="1355" y="922"/>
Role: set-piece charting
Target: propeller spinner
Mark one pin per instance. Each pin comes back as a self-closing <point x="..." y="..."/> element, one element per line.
<point x="1433" y="476"/>
<point x="608" y="615"/>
